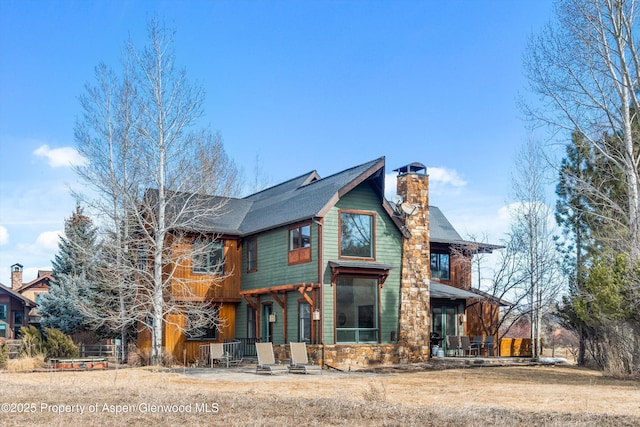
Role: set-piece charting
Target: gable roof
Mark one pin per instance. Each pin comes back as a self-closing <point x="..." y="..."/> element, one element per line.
<point x="302" y="198"/>
<point x="26" y="301"/>
<point x="43" y="277"/>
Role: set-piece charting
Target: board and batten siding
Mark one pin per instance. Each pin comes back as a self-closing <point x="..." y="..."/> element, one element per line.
<point x="388" y="250"/>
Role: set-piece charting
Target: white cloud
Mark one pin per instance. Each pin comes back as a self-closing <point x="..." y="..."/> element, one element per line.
<point x="60" y="157"/>
<point x="48" y="241"/>
<point x="441" y="181"/>
<point x="4" y="236"/>
<point x="445" y="176"/>
<point x="44" y="247"/>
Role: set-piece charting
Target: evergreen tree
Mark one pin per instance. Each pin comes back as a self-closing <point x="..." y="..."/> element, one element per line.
<point x="73" y="270"/>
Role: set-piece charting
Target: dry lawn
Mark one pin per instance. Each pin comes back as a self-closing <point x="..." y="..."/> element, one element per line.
<point x="550" y="396"/>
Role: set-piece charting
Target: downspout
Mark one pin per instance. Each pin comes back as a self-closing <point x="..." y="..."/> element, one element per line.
<point x="320" y="224"/>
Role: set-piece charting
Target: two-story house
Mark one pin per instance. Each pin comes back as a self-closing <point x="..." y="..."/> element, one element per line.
<point x="331" y="262"/>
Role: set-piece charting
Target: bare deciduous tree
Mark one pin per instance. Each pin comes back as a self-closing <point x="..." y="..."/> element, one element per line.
<point x="151" y="170"/>
<point x="584" y="67"/>
<point x="533" y="236"/>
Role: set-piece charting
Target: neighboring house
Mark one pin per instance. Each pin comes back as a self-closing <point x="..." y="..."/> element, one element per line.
<point x="33" y="289"/>
<point x="14" y="312"/>
<point x="329" y="261"/>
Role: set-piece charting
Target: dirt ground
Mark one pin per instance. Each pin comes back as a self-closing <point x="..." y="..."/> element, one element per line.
<point x="532" y="395"/>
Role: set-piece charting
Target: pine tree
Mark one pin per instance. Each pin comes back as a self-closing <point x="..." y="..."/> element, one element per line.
<point x="73" y="269"/>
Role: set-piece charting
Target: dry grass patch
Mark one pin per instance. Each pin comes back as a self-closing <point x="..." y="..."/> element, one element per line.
<point x="26" y="364"/>
<point x="471" y="397"/>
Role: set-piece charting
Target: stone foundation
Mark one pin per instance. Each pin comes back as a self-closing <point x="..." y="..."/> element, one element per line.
<point x="347" y="356"/>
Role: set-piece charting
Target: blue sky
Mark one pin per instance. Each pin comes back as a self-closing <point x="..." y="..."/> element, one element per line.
<point x="301" y="85"/>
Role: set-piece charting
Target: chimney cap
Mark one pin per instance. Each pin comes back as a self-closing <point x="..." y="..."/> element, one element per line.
<point x="17" y="267"/>
<point x="414" y="167"/>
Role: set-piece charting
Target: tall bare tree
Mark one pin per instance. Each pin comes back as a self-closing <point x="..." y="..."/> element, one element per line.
<point x="153" y="171"/>
<point x="584" y="67"/>
<point x="533" y="235"/>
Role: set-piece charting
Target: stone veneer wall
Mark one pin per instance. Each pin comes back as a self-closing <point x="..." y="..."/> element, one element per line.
<point x="415" y="316"/>
<point x="346" y="356"/>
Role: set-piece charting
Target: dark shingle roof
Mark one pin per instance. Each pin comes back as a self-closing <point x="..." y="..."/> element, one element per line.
<point x="440" y="229"/>
<point x="440" y="290"/>
<point x="301" y="198"/>
<point x="288" y="202"/>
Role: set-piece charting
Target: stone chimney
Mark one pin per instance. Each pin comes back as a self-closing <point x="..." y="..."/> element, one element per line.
<point x="415" y="317"/>
<point x="16" y="276"/>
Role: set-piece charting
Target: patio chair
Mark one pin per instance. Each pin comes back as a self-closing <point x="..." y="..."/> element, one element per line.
<point x="467" y="347"/>
<point x="300" y="361"/>
<point x="216" y="352"/>
<point x="266" y="360"/>
<point x="477" y="340"/>
<point x="489" y="345"/>
<point x="452" y="344"/>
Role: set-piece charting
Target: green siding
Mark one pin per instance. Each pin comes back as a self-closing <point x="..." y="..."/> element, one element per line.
<point x="388" y="250"/>
<point x="273" y="268"/>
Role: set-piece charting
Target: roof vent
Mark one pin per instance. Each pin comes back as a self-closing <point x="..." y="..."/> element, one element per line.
<point x="414" y="167"/>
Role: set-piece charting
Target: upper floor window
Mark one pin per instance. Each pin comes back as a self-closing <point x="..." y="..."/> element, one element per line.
<point x="300" y="244"/>
<point x="440" y="266"/>
<point x="3" y="312"/>
<point x="252" y="255"/>
<point x="357" y="234"/>
<point x="208" y="256"/>
<point x="300" y="237"/>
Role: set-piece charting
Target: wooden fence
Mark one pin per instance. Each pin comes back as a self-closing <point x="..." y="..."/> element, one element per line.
<point x="515" y="347"/>
<point x="110" y="351"/>
<point x="14" y="348"/>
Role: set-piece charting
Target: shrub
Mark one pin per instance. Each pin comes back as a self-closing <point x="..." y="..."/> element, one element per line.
<point x="4" y="354"/>
<point x="32" y="344"/>
<point x="58" y="344"/>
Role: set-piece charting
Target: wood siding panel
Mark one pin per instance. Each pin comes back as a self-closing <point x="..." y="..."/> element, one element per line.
<point x="176" y="342"/>
<point x="208" y="286"/>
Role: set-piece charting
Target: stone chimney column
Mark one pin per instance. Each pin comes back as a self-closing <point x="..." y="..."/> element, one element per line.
<point x="415" y="317"/>
<point x="16" y="276"/>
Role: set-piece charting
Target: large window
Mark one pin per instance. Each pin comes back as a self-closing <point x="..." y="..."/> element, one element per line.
<point x="356" y="235"/>
<point x="356" y="310"/>
<point x="300" y="244"/>
<point x="252" y="255"/>
<point x="3" y="312"/>
<point x="440" y="266"/>
<point x="18" y="317"/>
<point x="208" y="256"/>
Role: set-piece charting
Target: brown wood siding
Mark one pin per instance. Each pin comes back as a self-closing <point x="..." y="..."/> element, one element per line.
<point x="481" y="314"/>
<point x="208" y="286"/>
<point x="211" y="287"/>
<point x="459" y="266"/>
<point x="176" y="342"/>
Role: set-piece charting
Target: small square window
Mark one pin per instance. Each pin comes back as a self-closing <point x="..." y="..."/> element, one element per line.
<point x="440" y="266"/>
<point x="208" y="257"/>
<point x="300" y="244"/>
